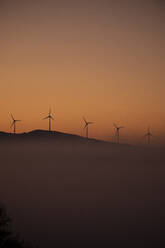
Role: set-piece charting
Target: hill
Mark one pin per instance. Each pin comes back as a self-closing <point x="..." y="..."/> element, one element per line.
<point x="52" y="136"/>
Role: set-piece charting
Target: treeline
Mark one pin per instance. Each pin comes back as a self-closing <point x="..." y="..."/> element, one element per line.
<point x="8" y="239"/>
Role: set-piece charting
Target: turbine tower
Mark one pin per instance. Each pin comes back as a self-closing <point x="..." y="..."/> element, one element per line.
<point x="50" y="119"/>
<point x="148" y="135"/>
<point x="86" y="126"/>
<point x="118" y="132"/>
<point x="14" y="121"/>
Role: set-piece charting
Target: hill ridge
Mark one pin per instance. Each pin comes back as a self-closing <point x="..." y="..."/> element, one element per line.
<point x="39" y="134"/>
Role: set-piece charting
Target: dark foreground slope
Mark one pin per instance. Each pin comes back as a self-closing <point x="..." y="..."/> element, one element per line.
<point x="78" y="194"/>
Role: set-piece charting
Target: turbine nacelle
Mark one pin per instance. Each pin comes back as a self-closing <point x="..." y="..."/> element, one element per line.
<point x="86" y="125"/>
<point x="148" y="135"/>
<point x="117" y="127"/>
<point x="87" y="122"/>
<point x="148" y="132"/>
<point x="50" y="119"/>
<point x="118" y="132"/>
<point x="14" y="123"/>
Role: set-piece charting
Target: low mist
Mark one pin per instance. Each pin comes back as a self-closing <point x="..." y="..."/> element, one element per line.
<point x="83" y="195"/>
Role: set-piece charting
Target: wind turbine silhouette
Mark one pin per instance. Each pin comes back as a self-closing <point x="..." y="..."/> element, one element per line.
<point x="148" y="135"/>
<point x="50" y="119"/>
<point x="118" y="132"/>
<point x="86" y="126"/>
<point x="14" y="124"/>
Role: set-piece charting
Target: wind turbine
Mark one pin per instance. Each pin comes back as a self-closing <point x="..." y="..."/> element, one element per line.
<point x="118" y="132"/>
<point x="148" y="135"/>
<point x="50" y="119"/>
<point x="14" y="124"/>
<point x="86" y="126"/>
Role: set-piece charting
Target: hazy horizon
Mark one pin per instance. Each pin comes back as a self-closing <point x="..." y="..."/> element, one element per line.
<point x="103" y="60"/>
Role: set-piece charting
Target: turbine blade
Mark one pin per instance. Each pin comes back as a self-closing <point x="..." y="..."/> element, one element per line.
<point x="46" y="118"/>
<point x="85" y="126"/>
<point x="121" y="127"/>
<point x="12" y="116"/>
<point x="51" y="118"/>
<point x="114" y="125"/>
<point x="12" y="124"/>
<point x="84" y="120"/>
<point x="90" y="122"/>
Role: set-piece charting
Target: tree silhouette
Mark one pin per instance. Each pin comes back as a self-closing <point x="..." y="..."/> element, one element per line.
<point x="7" y="238"/>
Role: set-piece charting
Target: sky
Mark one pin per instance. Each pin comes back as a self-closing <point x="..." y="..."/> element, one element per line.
<point x="102" y="59"/>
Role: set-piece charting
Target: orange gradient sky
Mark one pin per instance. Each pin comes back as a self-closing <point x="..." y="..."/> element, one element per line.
<point x="104" y="60"/>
